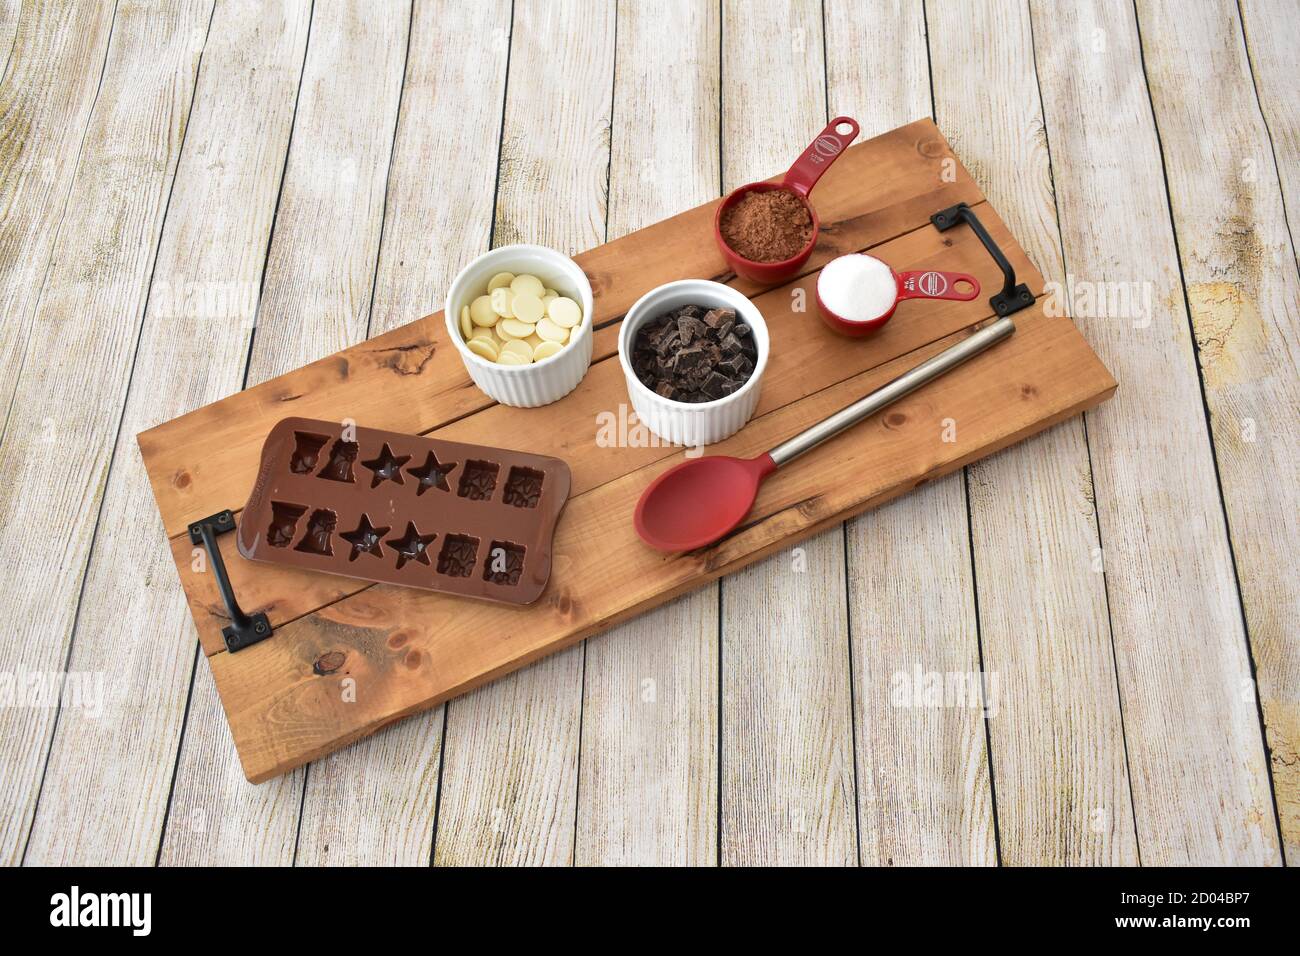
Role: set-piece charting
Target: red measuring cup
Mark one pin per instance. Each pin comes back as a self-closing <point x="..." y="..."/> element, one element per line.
<point x="926" y="284"/>
<point x="799" y="180"/>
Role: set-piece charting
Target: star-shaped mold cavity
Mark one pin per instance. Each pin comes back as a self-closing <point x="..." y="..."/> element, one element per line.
<point x="432" y="474"/>
<point x="365" y="539"/>
<point x="411" y="546"/>
<point x="387" y="467"/>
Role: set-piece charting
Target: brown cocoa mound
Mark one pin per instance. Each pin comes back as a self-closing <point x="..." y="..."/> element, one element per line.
<point x="767" y="226"/>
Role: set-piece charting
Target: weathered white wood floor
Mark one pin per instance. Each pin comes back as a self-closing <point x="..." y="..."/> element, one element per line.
<point x="196" y="196"/>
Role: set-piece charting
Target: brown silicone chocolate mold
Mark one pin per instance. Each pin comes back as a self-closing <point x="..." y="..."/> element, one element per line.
<point x="402" y="509"/>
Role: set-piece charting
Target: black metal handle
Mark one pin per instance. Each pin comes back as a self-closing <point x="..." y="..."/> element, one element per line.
<point x="244" y="629"/>
<point x="1013" y="297"/>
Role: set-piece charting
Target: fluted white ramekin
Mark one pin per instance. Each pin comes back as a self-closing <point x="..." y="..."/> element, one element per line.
<point x="682" y="422"/>
<point x="539" y="383"/>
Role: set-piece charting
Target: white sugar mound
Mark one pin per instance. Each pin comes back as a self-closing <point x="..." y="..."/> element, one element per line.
<point x="857" y="287"/>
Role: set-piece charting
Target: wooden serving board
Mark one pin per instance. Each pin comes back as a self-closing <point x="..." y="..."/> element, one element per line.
<point x="348" y="657"/>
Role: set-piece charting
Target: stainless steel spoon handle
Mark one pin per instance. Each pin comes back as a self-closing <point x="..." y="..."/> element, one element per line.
<point x="905" y="384"/>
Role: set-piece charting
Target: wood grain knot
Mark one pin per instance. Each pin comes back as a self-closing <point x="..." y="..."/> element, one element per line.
<point x="931" y="148"/>
<point x="1028" y="392"/>
<point x="407" y="359"/>
<point x="895" y="420"/>
<point x="328" y="663"/>
<point x="182" y="479"/>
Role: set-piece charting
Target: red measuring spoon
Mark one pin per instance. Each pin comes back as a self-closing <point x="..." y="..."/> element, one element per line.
<point x="799" y="179"/>
<point x="927" y="284"/>
<point x="700" y="500"/>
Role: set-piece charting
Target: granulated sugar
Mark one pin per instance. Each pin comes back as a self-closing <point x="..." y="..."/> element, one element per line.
<point x="858" y="287"/>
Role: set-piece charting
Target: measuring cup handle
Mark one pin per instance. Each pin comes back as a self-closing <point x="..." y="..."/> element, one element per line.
<point x="819" y="155"/>
<point x="936" y="285"/>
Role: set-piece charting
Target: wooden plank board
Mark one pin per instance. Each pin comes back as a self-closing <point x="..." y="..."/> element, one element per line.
<point x="648" y="761"/>
<point x="787" y="775"/>
<point x="87" y="319"/>
<point x="450" y="121"/>
<point x="510" y="757"/>
<point x="1244" y="293"/>
<point x="51" y="80"/>
<point x="9" y="13"/>
<point x="1274" y="59"/>
<point x="802" y="383"/>
<point x="315" y="299"/>
<point x="922" y="772"/>
<point x="1196" y="762"/>
<point x="1043" y="621"/>
<point x="192" y="347"/>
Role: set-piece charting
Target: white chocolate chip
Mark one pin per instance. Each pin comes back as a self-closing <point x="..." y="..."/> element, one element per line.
<point x="546" y="350"/>
<point x="529" y="284"/>
<point x="502" y="302"/>
<point x="551" y="332"/>
<point x="564" y="312"/>
<point x="527" y="307"/>
<point x="480" y="312"/>
<point x="519" y="347"/>
<point x="514" y="329"/>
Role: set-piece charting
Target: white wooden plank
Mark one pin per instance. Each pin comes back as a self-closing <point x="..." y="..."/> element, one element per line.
<point x="1244" y="291"/>
<point x="315" y="301"/>
<point x="134" y="626"/>
<point x="78" y="360"/>
<point x="1275" y="67"/>
<point x="787" y="738"/>
<point x="509" y="786"/>
<point x="1055" y="727"/>
<point x="1195" y="752"/>
<point x="923" y="772"/>
<point x="9" y="13"/>
<point x="374" y="802"/>
<point x="648" y="784"/>
<point x="50" y="82"/>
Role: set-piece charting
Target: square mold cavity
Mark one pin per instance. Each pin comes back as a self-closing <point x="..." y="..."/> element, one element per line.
<point x="284" y="523"/>
<point x="306" y="452"/>
<point x="458" y="555"/>
<point x="320" y="533"/>
<point x="478" y="480"/>
<point x="524" y="487"/>
<point x="505" y="563"/>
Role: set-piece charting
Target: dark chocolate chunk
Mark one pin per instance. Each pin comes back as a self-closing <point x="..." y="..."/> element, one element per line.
<point x="712" y="386"/>
<point x="730" y="345"/>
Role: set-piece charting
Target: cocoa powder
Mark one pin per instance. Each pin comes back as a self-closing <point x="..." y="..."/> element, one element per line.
<point x="768" y="226"/>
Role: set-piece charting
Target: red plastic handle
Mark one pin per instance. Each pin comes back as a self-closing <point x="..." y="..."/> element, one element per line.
<point x="936" y="285"/>
<point x="819" y="155"/>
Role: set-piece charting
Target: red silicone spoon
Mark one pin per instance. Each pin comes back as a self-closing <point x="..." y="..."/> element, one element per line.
<point x="700" y="500"/>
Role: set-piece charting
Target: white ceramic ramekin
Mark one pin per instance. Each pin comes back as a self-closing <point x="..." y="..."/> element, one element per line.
<point x="540" y="383"/>
<point x="682" y="422"/>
